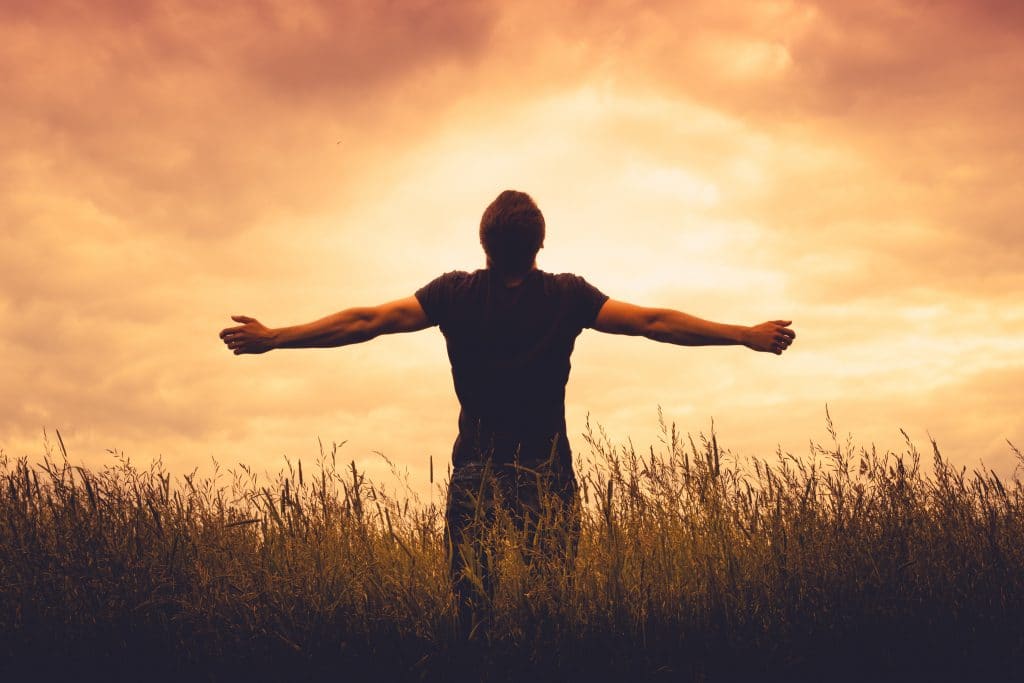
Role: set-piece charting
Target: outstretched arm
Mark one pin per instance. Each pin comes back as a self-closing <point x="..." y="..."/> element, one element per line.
<point x="350" y="326"/>
<point x="676" y="327"/>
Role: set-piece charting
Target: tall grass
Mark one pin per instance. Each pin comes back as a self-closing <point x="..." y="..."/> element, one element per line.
<point x="693" y="564"/>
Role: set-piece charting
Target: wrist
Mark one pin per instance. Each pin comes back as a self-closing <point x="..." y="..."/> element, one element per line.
<point x="744" y="334"/>
<point x="275" y="337"/>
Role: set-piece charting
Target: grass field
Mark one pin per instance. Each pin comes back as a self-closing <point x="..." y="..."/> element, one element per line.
<point x="842" y="564"/>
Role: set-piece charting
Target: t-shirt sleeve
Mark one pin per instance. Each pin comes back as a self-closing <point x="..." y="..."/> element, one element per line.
<point x="586" y="300"/>
<point x="436" y="297"/>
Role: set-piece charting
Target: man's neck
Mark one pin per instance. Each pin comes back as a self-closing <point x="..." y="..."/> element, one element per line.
<point x="512" y="280"/>
<point x="516" y="280"/>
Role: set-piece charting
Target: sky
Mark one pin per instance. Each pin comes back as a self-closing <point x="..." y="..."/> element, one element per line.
<point x="855" y="167"/>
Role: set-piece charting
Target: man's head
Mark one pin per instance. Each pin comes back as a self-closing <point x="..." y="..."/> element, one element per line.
<point x="511" y="232"/>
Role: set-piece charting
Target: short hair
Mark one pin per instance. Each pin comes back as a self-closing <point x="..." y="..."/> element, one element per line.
<point x="512" y="232"/>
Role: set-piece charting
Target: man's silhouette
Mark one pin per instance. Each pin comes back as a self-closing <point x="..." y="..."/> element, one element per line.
<point x="510" y="329"/>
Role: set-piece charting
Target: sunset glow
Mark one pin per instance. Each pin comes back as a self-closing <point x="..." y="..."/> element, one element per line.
<point x="853" y="166"/>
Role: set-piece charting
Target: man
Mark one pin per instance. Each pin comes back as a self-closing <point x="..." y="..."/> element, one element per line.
<point x="510" y="329"/>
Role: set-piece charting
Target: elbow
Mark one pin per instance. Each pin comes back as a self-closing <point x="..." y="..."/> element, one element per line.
<point x="355" y="325"/>
<point x="367" y="324"/>
<point x="655" y="324"/>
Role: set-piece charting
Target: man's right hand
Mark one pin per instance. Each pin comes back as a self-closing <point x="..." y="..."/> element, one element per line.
<point x="250" y="337"/>
<point x="774" y="336"/>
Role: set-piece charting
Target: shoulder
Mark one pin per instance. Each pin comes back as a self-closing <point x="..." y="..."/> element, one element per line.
<point x="452" y="278"/>
<point x="438" y="296"/>
<point x="569" y="281"/>
<point x="442" y="289"/>
<point x="583" y="299"/>
<point x="455" y="276"/>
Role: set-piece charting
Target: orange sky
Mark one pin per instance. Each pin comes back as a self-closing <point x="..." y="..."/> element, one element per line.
<point x="854" y="166"/>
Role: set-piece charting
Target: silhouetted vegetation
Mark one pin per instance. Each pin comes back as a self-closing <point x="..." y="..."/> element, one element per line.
<point x="693" y="565"/>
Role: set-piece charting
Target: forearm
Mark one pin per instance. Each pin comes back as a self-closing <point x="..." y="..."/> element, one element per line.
<point x="350" y="326"/>
<point x="676" y="327"/>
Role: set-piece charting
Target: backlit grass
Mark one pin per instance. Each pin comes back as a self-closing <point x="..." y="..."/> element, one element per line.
<point x="692" y="565"/>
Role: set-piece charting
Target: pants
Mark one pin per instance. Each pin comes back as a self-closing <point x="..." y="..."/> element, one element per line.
<point x="542" y="506"/>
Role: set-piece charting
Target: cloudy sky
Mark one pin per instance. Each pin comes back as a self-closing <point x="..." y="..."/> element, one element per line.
<point x="853" y="166"/>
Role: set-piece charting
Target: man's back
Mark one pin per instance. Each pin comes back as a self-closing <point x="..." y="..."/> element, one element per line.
<point x="509" y="348"/>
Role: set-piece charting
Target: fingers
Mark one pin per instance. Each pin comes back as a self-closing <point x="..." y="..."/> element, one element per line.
<point x="234" y="338"/>
<point x="783" y="336"/>
<point x="233" y="334"/>
<point x="239" y="349"/>
<point x="781" y="343"/>
<point x="229" y="332"/>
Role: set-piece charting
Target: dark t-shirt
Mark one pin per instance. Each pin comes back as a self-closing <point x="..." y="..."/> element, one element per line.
<point x="509" y="348"/>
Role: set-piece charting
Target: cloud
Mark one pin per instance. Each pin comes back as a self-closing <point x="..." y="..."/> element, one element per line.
<point x="899" y="119"/>
<point x="852" y="165"/>
<point x="185" y="118"/>
<point x="149" y="148"/>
